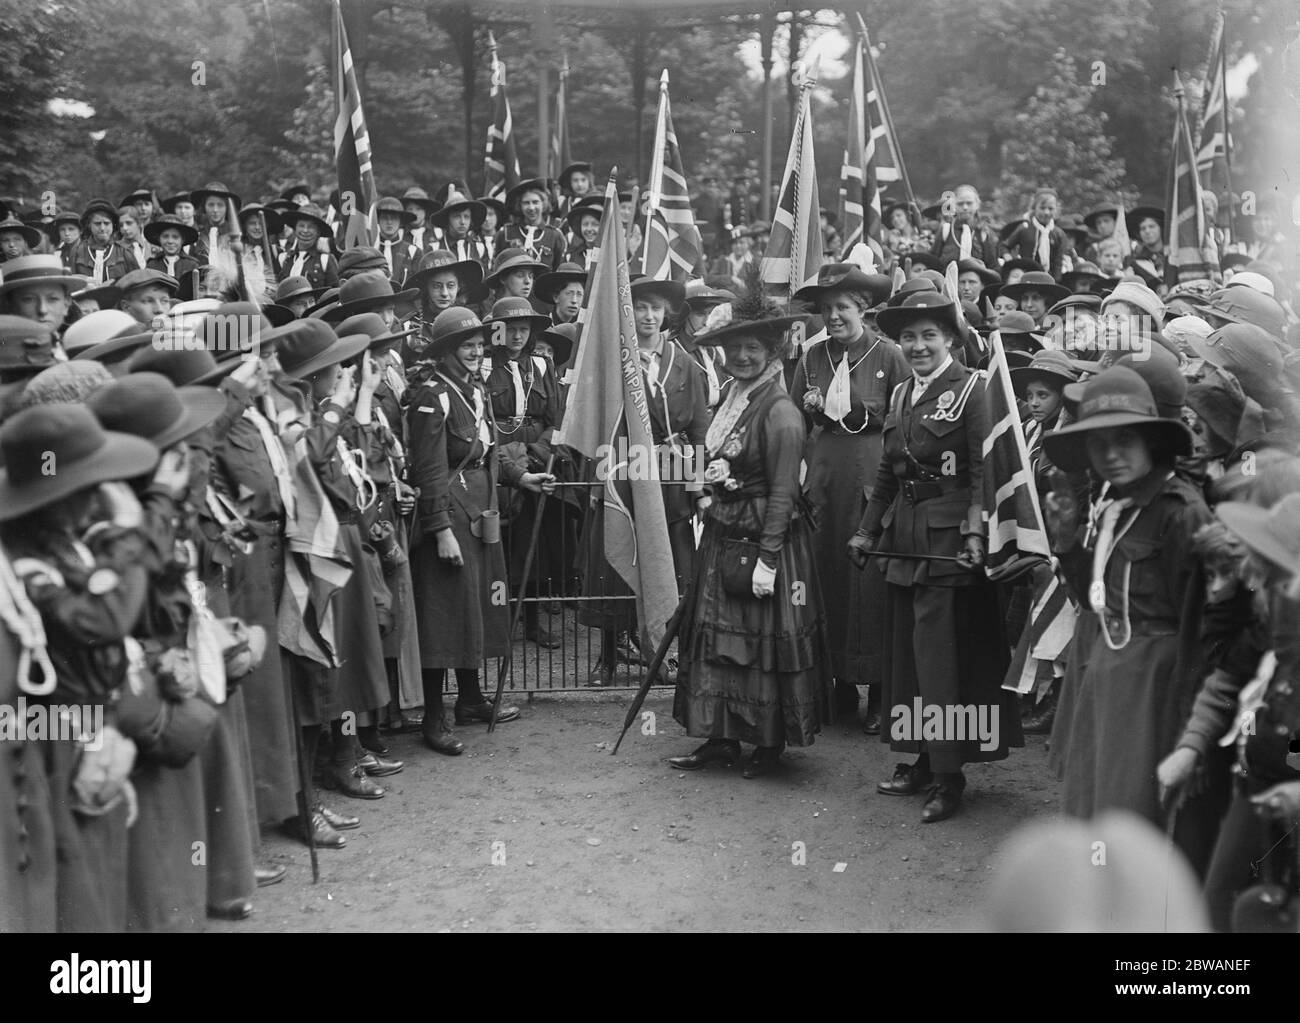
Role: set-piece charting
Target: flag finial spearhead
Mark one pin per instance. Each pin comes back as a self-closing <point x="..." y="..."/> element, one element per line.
<point x="663" y="80"/>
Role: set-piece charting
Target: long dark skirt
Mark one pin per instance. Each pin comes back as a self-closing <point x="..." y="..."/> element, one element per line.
<point x="841" y="469"/>
<point x="167" y="875"/>
<point x="945" y="646"/>
<point x="755" y="670"/>
<point x="232" y="835"/>
<point x="463" y="612"/>
<point x="363" y="681"/>
<point x="255" y="582"/>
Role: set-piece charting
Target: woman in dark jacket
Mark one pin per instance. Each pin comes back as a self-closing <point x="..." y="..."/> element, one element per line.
<point x="753" y="655"/>
<point x="457" y="565"/>
<point x="945" y="651"/>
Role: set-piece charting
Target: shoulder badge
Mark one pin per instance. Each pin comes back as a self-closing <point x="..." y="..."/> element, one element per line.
<point x="946" y="399"/>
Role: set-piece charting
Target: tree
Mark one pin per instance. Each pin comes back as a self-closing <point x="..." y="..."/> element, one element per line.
<point x="1059" y="140"/>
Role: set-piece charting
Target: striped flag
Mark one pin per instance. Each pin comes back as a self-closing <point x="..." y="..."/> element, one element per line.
<point x="794" y="248"/>
<point x="357" y="193"/>
<point x="1212" y="128"/>
<point x="1039" y="653"/>
<point x="501" y="162"/>
<point x="1190" y="243"/>
<point x="560" y="156"/>
<point x="888" y="157"/>
<point x="860" y="217"/>
<point x="1016" y="536"/>
<point x="673" y="249"/>
<point x="608" y="411"/>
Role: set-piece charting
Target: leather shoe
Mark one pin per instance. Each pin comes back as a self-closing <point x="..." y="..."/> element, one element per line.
<point x="944" y="801"/>
<point x="762" y="761"/>
<point x="724" y="752"/>
<point x="543" y="638"/>
<point x="338" y="821"/>
<point x="1039" y="722"/>
<point x="372" y="743"/>
<point x="352" y="781"/>
<point x="269" y="875"/>
<point x="442" y="741"/>
<point x="871" y="723"/>
<point x="481" y="713"/>
<point x="378" y="767"/>
<point x="907" y="781"/>
<point x="602" y="675"/>
<point x="321" y="834"/>
<point x="628" y="649"/>
<point x="235" y="909"/>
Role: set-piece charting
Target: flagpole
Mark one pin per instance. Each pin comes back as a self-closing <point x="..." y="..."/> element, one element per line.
<point x="877" y="82"/>
<point x="657" y="164"/>
<point x="1227" y="132"/>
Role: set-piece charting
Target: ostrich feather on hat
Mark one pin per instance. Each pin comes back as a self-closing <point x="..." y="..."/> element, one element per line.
<point x="222" y="277"/>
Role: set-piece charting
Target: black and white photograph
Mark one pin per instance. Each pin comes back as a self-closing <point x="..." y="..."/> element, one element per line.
<point x="667" y="467"/>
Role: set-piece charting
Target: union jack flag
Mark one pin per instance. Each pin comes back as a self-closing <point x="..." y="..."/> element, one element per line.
<point x="501" y="162"/>
<point x="794" y="248"/>
<point x="673" y="249"/>
<point x="358" y="196"/>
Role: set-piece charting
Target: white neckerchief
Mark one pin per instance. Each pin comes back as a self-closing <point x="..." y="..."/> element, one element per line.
<point x="920" y="383"/>
<point x="299" y="263"/>
<point x="170" y="262"/>
<point x="19" y="615"/>
<point x="839" y="397"/>
<point x="650" y="365"/>
<point x="460" y="250"/>
<point x="711" y="371"/>
<point x="141" y="253"/>
<point x="521" y="396"/>
<point x="964" y="237"/>
<point x="478" y="409"/>
<point x="730" y="411"/>
<point x="528" y="239"/>
<point x="279" y="463"/>
<point x="212" y="239"/>
<point x="1043" y="244"/>
<point x="100" y="256"/>
<point x="388" y="255"/>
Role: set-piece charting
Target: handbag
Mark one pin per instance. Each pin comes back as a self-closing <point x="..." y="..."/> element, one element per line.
<point x="736" y="561"/>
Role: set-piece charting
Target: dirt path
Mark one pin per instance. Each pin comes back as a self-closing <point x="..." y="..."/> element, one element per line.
<point x="594" y="842"/>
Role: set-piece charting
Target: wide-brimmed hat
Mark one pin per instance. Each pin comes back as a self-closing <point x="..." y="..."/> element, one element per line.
<point x="1252" y="279"/>
<point x="976" y="266"/>
<point x="1078" y="300"/>
<point x="365" y="292"/>
<point x="326" y="300"/>
<point x="751" y="315"/>
<point x="1101" y="210"/>
<point x="271" y="218"/>
<point x="1085" y="278"/>
<point x="1160" y="369"/>
<point x="301" y="188"/>
<point x="1273" y="532"/>
<point x="154" y="229"/>
<point x="106" y="295"/>
<point x="137" y="195"/>
<point x="549" y="284"/>
<point x="672" y="292"/>
<point x="118" y="348"/>
<point x="1234" y="260"/>
<point x="1116" y="397"/>
<point x="169" y="204"/>
<point x="360" y="259"/>
<point x="912" y="287"/>
<point x="457" y="201"/>
<point x="1138" y="295"/>
<point x="1134" y="217"/>
<point x="469" y="272"/>
<point x="1053" y="366"/>
<point x="514" y="310"/>
<point x="509" y="260"/>
<point x="1072" y="226"/>
<point x="566" y="175"/>
<point x="1024" y="265"/>
<point x="313" y="213"/>
<point x="26" y="347"/>
<point x="700" y="294"/>
<point x="147" y="278"/>
<point x="845" y="277"/>
<point x="450" y="328"/>
<point x="924" y="305"/>
<point x="213" y="190"/>
<point x="96" y="328"/>
<point x="926" y="259"/>
<point x="373" y="326"/>
<point x="182" y="366"/>
<point x="421" y="198"/>
<point x="1019" y="332"/>
<point x="909" y="208"/>
<point x="491" y="202"/>
<point x="69" y="437"/>
<point x="587" y="206"/>
<point x="294" y="287"/>
<point x="1039" y="281"/>
<point x="392" y="204"/>
<point x="530" y="185"/>
<point x="1245" y="350"/>
<point x="65" y="217"/>
<point x="149" y="405"/>
<point x="31" y="235"/>
<point x="314" y="345"/>
<point x="1234" y="305"/>
<point x="99" y="206"/>
<point x="563" y="338"/>
<point x="28" y="271"/>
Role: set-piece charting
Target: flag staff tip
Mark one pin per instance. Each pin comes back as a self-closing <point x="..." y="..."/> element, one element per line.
<point x="663" y="79"/>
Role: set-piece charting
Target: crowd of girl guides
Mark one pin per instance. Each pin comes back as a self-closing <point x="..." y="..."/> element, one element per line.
<point x="172" y="509"/>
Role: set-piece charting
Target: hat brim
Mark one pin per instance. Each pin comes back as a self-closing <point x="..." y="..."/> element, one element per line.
<point x="291" y="220"/>
<point x="125" y="344"/>
<point x="892" y="319"/>
<point x="153" y="233"/>
<point x="202" y="195"/>
<point x="477" y="213"/>
<point x="536" y="321"/>
<point x="547" y="285"/>
<point x="739" y="329"/>
<point x="876" y="291"/>
<point x="1251" y="523"/>
<point x="538" y="269"/>
<point x="364" y="305"/>
<point x="384" y="340"/>
<point x="70" y="282"/>
<point x="278" y="315"/>
<point x="671" y="292"/>
<point x="468" y="271"/>
<point x="560" y="344"/>
<point x="121" y="457"/>
<point x="1213" y="354"/>
<point x="453" y="339"/>
<point x="1023" y="375"/>
<point x="574" y="217"/>
<point x="1067" y="447"/>
<point x="202" y="407"/>
<point x="343" y="350"/>
<point x="1054" y="292"/>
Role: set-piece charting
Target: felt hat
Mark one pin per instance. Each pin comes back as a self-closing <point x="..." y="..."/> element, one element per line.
<point x="416" y="194"/>
<point x="529" y="185"/>
<point x="361" y="259"/>
<point x="1023" y="265"/>
<point x="566" y="175"/>
<point x="491" y="202"/>
<point x="373" y="326"/>
<point x="549" y="284"/>
<point x="1220" y="408"/>
<point x="456" y="202"/>
<point x="1160" y="369"/>
<point x="1251" y="279"/>
<point x="146" y="278"/>
<point x="509" y="260"/>
<point x="751" y="315"/>
<point x="140" y="194"/>
<point x="107" y="296"/>
<point x="31" y="235"/>
<point x="314" y="345"/>
<point x="450" y="328"/>
<point x="1116" y="397"/>
<point x="313" y="213"/>
<point x="845" y="277"/>
<point x="1074" y="228"/>
<point x="1085" y="278"/>
<point x="1103" y="209"/>
<point x="26" y="347"/>
<point x="587" y="206"/>
<point x="99" y="206"/>
<point x="925" y="259"/>
<point x="469" y="272"/>
<point x="923" y="305"/>
<point x="1231" y="305"/>
<point x="149" y="405"/>
<point x="69" y="437"/>
<point x="1138" y="295"/>
<point x="1273" y="532"/>
<point x="291" y="193"/>
<point x="1245" y="350"/>
<point x="272" y="219"/>
<point x="700" y="294"/>
<point x="513" y="310"/>
<point x="1233" y="261"/>
<point x="392" y="204"/>
<point x="26" y="271"/>
<point x="1039" y="281"/>
<point x="909" y="208"/>
<point x="976" y="266"/>
<point x="182" y="366"/>
<point x="909" y="288"/>
<point x="1019" y="332"/>
<point x="1079" y="300"/>
<point x="95" y="328"/>
<point x="366" y="292"/>
<point x="294" y="287"/>
<point x="672" y="292"/>
<point x="154" y="229"/>
<point x="1050" y="365"/>
<point x="63" y="382"/>
<point x="213" y="190"/>
<point x="563" y="339"/>
<point x="1134" y="217"/>
<point x="169" y="204"/>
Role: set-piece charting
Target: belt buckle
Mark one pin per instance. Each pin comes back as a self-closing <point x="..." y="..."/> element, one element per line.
<point x="909" y="491"/>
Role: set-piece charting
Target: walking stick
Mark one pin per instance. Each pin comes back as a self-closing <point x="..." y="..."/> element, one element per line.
<point x="304" y="811"/>
<point x="910" y="557"/>
<point x="656" y="663"/>
<point x="508" y="659"/>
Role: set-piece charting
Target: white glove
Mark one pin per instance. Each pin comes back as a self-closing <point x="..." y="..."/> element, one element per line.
<point x="764" y="580"/>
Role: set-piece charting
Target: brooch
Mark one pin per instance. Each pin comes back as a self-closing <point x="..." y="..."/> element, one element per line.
<point x="732" y="448"/>
<point x="813" y="400"/>
<point x="880" y="374"/>
<point x="946" y="399"/>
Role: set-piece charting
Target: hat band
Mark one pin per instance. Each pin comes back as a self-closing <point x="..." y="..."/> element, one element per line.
<point x="1115" y="403"/>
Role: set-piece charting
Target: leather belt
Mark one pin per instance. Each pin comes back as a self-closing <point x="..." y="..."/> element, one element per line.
<point x="917" y="491"/>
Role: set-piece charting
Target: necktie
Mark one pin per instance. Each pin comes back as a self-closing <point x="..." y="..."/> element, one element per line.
<point x="100" y="256"/>
<point x="521" y="399"/>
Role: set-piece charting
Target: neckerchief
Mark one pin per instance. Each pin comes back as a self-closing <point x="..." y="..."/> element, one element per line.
<point x="279" y="463"/>
<point x="1043" y="243"/>
<point x="920" y="383"/>
<point x="731" y="409"/>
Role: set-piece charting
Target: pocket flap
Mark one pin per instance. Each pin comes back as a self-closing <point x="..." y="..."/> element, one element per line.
<point x="1134" y="548"/>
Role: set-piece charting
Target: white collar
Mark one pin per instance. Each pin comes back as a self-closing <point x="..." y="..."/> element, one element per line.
<point x="921" y="383"/>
